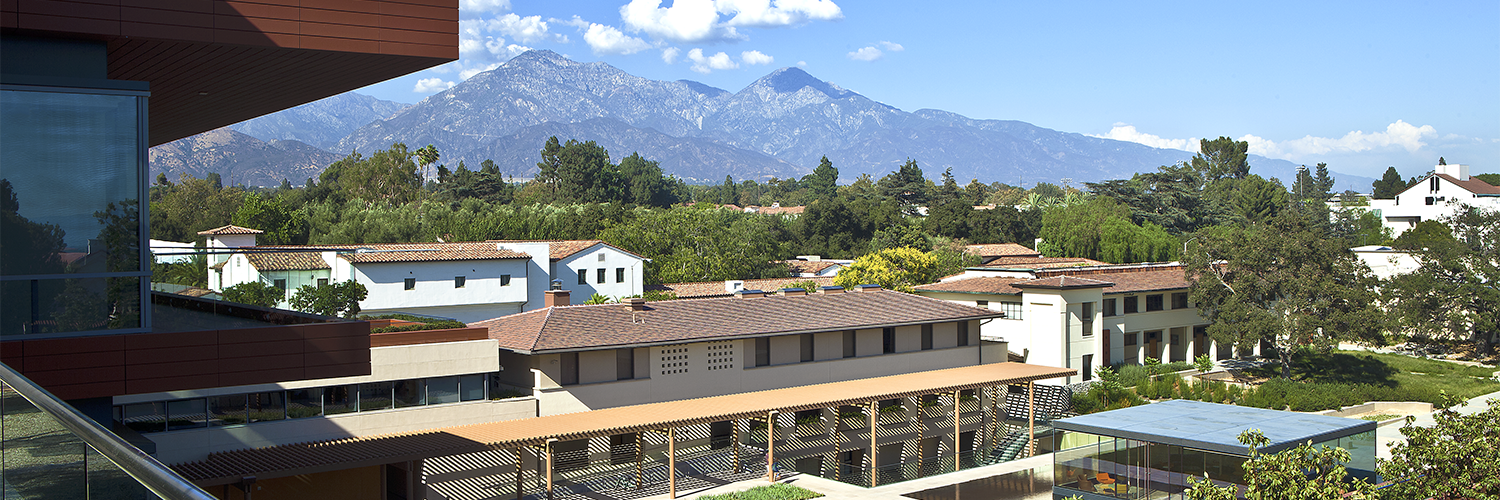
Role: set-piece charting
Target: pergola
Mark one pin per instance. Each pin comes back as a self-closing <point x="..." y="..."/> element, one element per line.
<point x="665" y="418"/>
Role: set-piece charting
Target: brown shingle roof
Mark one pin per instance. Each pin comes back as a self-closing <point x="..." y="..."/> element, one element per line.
<point x="302" y="458"/>
<point x="1063" y="282"/>
<point x="986" y="284"/>
<point x="1002" y="250"/>
<point x="286" y="261"/>
<point x="1022" y="262"/>
<point x="706" y="289"/>
<point x="1131" y="279"/>
<point x="670" y="321"/>
<point x="230" y="229"/>
<point x="1473" y="185"/>
<point x="413" y="252"/>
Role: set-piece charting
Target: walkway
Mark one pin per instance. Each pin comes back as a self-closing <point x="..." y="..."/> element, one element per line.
<point x="1387" y="436"/>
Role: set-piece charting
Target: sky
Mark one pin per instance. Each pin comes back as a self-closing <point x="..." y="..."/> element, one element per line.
<point x="1359" y="85"/>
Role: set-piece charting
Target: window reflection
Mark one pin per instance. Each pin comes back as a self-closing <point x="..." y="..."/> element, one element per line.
<point x="1126" y="468"/>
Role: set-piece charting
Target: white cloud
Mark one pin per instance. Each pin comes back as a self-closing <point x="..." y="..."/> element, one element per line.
<point x="686" y="21"/>
<point x="755" y="57"/>
<point x="430" y="85"/>
<point x="707" y="64"/>
<point x="468" y="72"/>
<point x="1128" y="133"/>
<point x="891" y="46"/>
<point x="603" y="39"/>
<point x="766" y="13"/>
<point x="529" y="29"/>
<point x="866" y="54"/>
<point x="801" y="64"/>
<point x="669" y="55"/>
<point x="469" y="7"/>
<point x="1400" y="134"/>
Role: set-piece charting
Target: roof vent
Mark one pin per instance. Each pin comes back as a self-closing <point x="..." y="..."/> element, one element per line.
<point x="793" y="292"/>
<point x="830" y="289"/>
<point x="636" y="303"/>
<point x="749" y="294"/>
<point x="867" y="288"/>
<point x="556" y="285"/>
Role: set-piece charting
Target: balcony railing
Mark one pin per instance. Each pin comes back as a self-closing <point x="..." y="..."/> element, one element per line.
<point x="51" y="450"/>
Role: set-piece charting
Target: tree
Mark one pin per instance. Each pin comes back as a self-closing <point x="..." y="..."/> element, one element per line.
<point x="427" y="156"/>
<point x="823" y="181"/>
<point x="906" y="185"/>
<point x="1101" y="229"/>
<point x="1252" y="198"/>
<point x="898" y="269"/>
<point x="254" y="293"/>
<point x="1302" y="473"/>
<point x="1283" y="282"/>
<point x="282" y="226"/>
<point x="1222" y="158"/>
<point x="28" y="247"/>
<point x="1388" y="186"/>
<point x="190" y="206"/>
<point x="702" y="243"/>
<point x="1453" y="460"/>
<point x="579" y="172"/>
<point x="646" y="185"/>
<point x="1491" y="179"/>
<point x="388" y="176"/>
<point x="333" y="299"/>
<point x="1426" y="234"/>
<point x="1172" y="197"/>
<point x="1324" y="182"/>
<point x="1441" y="161"/>
<point x="807" y="285"/>
<point x="949" y="191"/>
<point x="1455" y="293"/>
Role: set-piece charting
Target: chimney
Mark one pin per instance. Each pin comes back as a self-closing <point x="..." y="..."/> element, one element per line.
<point x="867" y="288"/>
<point x="793" y="292"/>
<point x="733" y="286"/>
<point x="831" y="289"/>
<point x="749" y="294"/>
<point x="556" y="298"/>
<point x="1460" y="172"/>
<point x="636" y="303"/>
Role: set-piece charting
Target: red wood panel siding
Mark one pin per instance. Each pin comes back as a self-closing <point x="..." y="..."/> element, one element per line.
<point x="212" y="63"/>
<point x="427" y="336"/>
<point x="113" y="365"/>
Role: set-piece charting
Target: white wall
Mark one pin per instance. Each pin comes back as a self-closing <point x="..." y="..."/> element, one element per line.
<point x="1385" y="264"/>
<point x="588" y="260"/>
<point x="435" y="283"/>
<point x="1411" y="206"/>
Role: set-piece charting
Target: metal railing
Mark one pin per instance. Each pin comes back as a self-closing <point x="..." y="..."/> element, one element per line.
<point x="51" y="450"/>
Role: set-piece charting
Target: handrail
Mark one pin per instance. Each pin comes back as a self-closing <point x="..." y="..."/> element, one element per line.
<point x="144" y="468"/>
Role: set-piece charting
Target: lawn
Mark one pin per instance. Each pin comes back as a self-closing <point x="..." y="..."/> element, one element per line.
<point x="1341" y="378"/>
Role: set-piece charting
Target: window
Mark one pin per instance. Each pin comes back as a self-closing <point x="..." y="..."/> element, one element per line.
<point x="410" y="393"/>
<point x="1130" y="338"/>
<point x="569" y="368"/>
<point x="1430" y="200"/>
<point x="1088" y="320"/>
<point x="339" y="399"/>
<point x="601" y="256"/>
<point x="226" y="410"/>
<point x="619" y="275"/>
<point x="441" y="390"/>
<point x="599" y="276"/>
<point x="1132" y="304"/>
<point x="926" y="337"/>
<point x="376" y="396"/>
<point x="963" y="333"/>
<point x="303" y="403"/>
<point x="1153" y="302"/>
<point x="1012" y="310"/>
<point x="144" y="417"/>
<point x="471" y="387"/>
<point x="411" y="283"/>
<point x="1088" y="367"/>
<point x="1180" y="300"/>
<point x="807" y="347"/>
<point x="849" y="350"/>
<point x="583" y="276"/>
<point x="505" y="280"/>
<point x="624" y="364"/>
<point x="186" y="414"/>
<point x="888" y="340"/>
<point x="458" y="282"/>
<point x="265" y="406"/>
<point x="985" y="304"/>
<point x="281" y="284"/>
<point x="322" y="281"/>
<point x="1109" y="307"/>
<point x="763" y="351"/>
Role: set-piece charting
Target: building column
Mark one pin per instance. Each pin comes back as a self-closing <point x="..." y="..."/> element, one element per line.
<point x="874" y="409"/>
<point x="640" y="460"/>
<point x="671" y="462"/>
<point x="1031" y="419"/>
<point x="1191" y="352"/>
<point x="520" y="468"/>
<point x="771" y="446"/>
<point x="921" y="432"/>
<point x="548" y="472"/>
<point x="957" y="443"/>
<point x="734" y="428"/>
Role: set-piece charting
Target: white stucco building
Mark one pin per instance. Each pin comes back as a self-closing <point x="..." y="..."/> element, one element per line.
<point x="1437" y="196"/>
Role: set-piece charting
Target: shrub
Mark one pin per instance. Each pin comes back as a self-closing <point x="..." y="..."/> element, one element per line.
<point x="779" y="491"/>
<point x="431" y="325"/>
<point x="1203" y="363"/>
<point x="1131" y="375"/>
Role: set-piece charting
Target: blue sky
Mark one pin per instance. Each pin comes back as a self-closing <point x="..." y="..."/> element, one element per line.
<point x="1361" y="86"/>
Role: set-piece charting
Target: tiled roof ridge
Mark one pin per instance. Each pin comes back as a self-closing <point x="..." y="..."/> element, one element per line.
<point x="230" y="229"/>
<point x="1473" y="185"/>
<point x="1113" y="269"/>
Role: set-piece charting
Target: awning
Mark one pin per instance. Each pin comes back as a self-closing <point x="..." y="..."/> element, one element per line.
<point x="306" y="458"/>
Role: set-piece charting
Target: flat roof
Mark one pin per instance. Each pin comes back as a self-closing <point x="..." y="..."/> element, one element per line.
<point x="1214" y="427"/>
<point x="306" y="458"/>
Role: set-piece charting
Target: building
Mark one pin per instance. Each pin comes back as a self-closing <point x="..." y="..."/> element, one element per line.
<point x="1087" y="317"/>
<point x="814" y="266"/>
<point x="728" y="288"/>
<point x="1386" y="262"/>
<point x="465" y="281"/>
<point x="1149" y="451"/>
<point x="1438" y="195"/>
<point x="96" y="85"/>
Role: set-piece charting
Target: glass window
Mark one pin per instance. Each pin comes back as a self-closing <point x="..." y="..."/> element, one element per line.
<point x="303" y="403"/>
<point x="266" y="406"/>
<point x="410" y="283"/>
<point x="583" y="276"/>
<point x="926" y="337"/>
<point x="280" y="284"/>
<point x="807" y="346"/>
<point x="763" y="351"/>
<point x="888" y="340"/>
<point x="1109" y="307"/>
<point x="1132" y="305"/>
<point x="624" y="364"/>
<point x="376" y="396"/>
<point x="227" y="410"/>
<point x="442" y="390"/>
<point x="849" y="350"/>
<point x="1153" y="303"/>
<point x="963" y="333"/>
<point x="619" y="275"/>
<point x="1180" y="300"/>
<point x="985" y="304"/>
<point x="186" y="414"/>
<point x="569" y="368"/>
<point x="505" y="280"/>
<point x="410" y="393"/>
<point x="471" y="387"/>
<point x="69" y="305"/>
<point x="322" y="281"/>
<point x="599" y="276"/>
<point x="1012" y="310"/>
<point x="338" y="399"/>
<point x="144" y="417"/>
<point x="458" y="282"/>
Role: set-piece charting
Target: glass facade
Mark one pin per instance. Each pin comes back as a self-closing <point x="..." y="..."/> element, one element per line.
<point x="71" y="231"/>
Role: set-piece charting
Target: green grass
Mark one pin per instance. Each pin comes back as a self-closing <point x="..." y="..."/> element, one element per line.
<point x="1378" y="418"/>
<point x="1341" y="378"/>
<point x="778" y="491"/>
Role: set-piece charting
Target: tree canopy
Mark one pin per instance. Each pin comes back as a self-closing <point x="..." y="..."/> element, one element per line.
<point x="898" y="269"/>
<point x="1455" y="293"/>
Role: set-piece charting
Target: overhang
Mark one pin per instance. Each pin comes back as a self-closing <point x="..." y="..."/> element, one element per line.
<point x="1214" y="427"/>
<point x="306" y="458"/>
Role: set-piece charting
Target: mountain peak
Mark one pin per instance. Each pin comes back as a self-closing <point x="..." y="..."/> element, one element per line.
<point x="791" y="79"/>
<point x="542" y="56"/>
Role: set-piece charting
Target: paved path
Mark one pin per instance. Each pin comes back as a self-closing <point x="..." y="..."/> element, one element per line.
<point x="1389" y="435"/>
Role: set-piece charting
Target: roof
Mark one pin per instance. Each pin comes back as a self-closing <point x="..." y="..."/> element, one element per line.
<point x="303" y="458"/>
<point x="286" y="261"/>
<point x="1473" y="185"/>
<point x="1002" y="250"/>
<point x="562" y="249"/>
<point x="1214" y="427"/>
<point x="1063" y="282"/>
<point x="1132" y="278"/>
<point x="1024" y="262"/>
<point x="804" y="266"/>
<point x="706" y="289"/>
<point x="230" y="229"/>
<point x="585" y="327"/>
<point x="983" y="284"/>
<point x="778" y="210"/>
<point x="406" y="252"/>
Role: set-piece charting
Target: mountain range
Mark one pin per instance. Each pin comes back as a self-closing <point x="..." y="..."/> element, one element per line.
<point x="778" y="126"/>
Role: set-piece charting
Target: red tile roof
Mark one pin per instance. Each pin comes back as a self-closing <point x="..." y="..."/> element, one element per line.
<point x="706" y="289"/>
<point x="562" y="249"/>
<point x="985" y="284"/>
<point x="1002" y="250"/>
<point x="1067" y="282"/>
<point x="779" y="210"/>
<point x="1473" y="185"/>
<point x="673" y="321"/>
<point x="804" y="266"/>
<point x="413" y="252"/>
<point x="1022" y="262"/>
<point x="1124" y="278"/>
<point x="230" y="229"/>
<point x="286" y="261"/>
